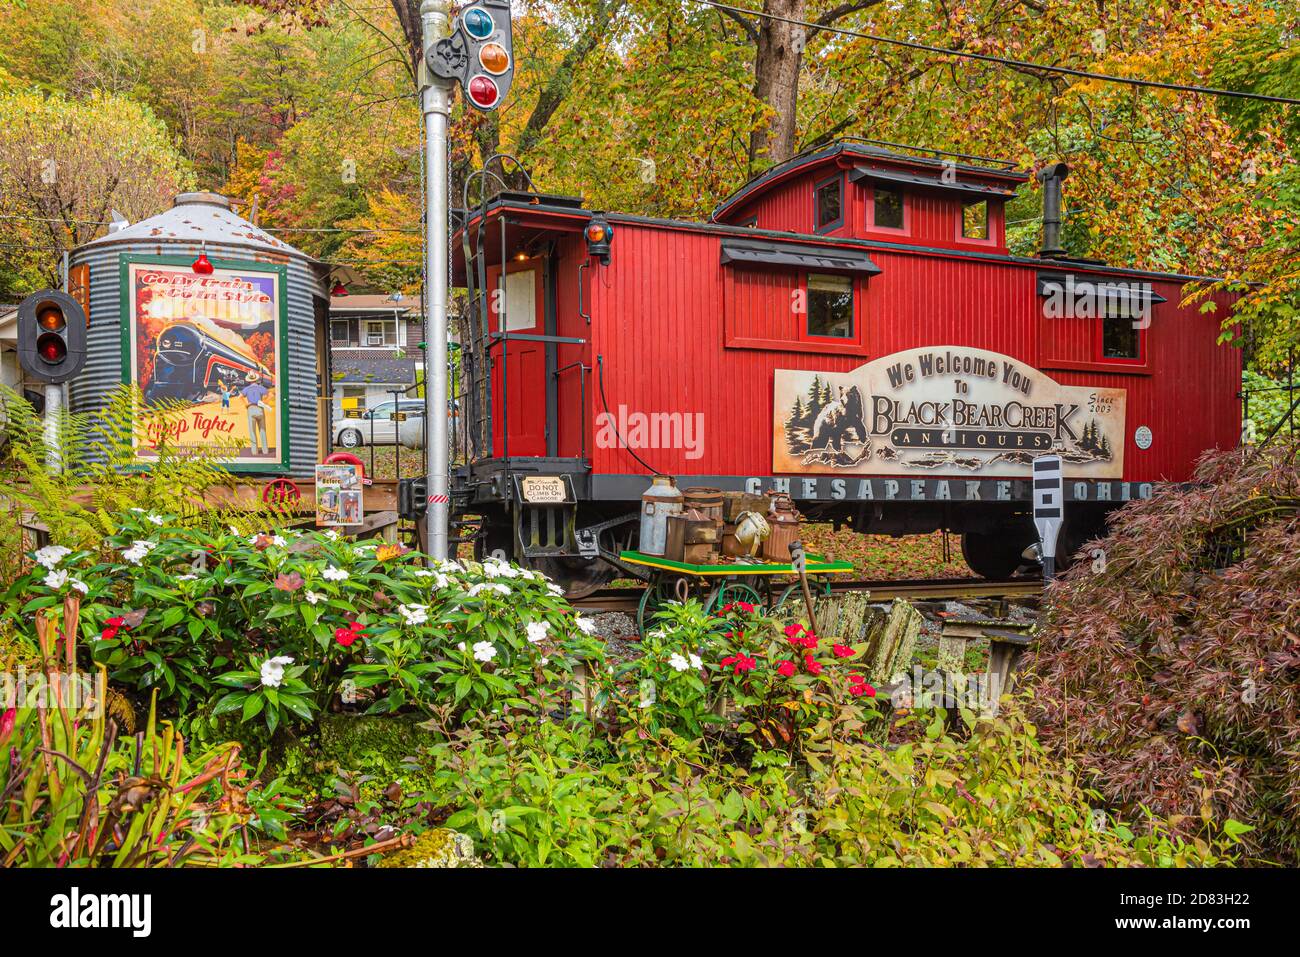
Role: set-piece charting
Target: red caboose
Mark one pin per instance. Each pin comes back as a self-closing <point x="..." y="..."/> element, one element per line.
<point x="848" y="327"/>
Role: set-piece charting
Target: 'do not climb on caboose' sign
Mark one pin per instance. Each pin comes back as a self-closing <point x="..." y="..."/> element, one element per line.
<point x="943" y="410"/>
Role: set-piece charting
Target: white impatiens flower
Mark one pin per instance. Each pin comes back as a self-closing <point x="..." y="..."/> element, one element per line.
<point x="696" y="663"/>
<point x="451" y="568"/>
<point x="56" y="579"/>
<point x="537" y="631"/>
<point x="460" y="646"/>
<point x="423" y="572"/>
<point x="476" y="590"/>
<point x="332" y="535"/>
<point x="585" y="625"/>
<point x="51" y="555"/>
<point x="334" y="574"/>
<point x="273" y="670"/>
<point x="187" y="578"/>
<point x="484" y="651"/>
<point x="137" y="552"/>
<point x="678" y="663"/>
<point x="497" y="569"/>
<point x="414" y="614"/>
<point x="313" y="597"/>
<point x="156" y="519"/>
<point x="555" y="590"/>
<point x="79" y="585"/>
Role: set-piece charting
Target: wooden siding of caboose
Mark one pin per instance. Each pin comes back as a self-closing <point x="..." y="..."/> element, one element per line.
<point x="660" y="323"/>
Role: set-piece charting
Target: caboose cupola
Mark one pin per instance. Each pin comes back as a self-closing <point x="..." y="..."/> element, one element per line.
<point x="862" y="189"/>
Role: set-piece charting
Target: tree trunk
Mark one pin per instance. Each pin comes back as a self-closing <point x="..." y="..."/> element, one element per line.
<point x="776" y="81"/>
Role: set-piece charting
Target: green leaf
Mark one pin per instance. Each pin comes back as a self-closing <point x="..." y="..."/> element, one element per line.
<point x="252" y="705"/>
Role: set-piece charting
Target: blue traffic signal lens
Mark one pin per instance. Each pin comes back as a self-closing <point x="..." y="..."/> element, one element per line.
<point x="478" y="23"/>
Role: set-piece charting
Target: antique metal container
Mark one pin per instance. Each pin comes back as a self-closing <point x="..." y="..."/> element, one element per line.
<point x="658" y="502"/>
<point x="784" y="521"/>
<point x="694" y="538"/>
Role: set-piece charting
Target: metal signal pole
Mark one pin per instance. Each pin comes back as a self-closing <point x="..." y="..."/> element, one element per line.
<point x="436" y="105"/>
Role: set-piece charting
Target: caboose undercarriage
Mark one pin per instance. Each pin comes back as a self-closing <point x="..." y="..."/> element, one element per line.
<point x="554" y="515"/>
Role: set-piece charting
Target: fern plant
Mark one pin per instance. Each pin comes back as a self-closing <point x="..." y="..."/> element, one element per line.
<point x="73" y="487"/>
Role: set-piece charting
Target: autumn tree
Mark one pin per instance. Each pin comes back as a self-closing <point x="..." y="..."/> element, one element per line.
<point x="65" y="166"/>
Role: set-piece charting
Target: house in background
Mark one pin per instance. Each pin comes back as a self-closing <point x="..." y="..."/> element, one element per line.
<point x="374" y="349"/>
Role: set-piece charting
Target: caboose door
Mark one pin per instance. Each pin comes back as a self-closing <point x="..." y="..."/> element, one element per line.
<point x="518" y="364"/>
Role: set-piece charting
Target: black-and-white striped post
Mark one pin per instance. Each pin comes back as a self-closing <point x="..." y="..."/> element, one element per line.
<point x="1049" y="504"/>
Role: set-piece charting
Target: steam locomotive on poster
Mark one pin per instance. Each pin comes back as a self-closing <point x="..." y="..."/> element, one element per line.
<point x="849" y="327"/>
<point x="193" y="365"/>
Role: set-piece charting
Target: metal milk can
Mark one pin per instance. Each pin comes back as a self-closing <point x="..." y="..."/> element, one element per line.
<point x="659" y="501"/>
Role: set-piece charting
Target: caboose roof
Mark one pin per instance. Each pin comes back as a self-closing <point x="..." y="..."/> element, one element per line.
<point x="529" y="222"/>
<point x="878" y="160"/>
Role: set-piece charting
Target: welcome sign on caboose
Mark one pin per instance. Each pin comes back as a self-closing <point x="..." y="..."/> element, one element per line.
<point x="943" y="409"/>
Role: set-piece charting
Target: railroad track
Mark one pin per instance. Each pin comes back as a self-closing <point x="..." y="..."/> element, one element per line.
<point x="918" y="589"/>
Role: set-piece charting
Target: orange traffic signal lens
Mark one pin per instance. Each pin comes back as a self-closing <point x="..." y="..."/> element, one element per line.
<point x="51" y="318"/>
<point x="596" y="233"/>
<point x="51" y="348"/>
<point x="494" y="58"/>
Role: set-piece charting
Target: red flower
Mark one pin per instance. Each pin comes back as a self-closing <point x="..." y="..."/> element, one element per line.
<point x="112" y="627"/>
<point x="792" y="630"/>
<point x="7" y="724"/>
<point x="346" y="636"/>
<point x="858" y="687"/>
<point x="739" y="662"/>
<point x="842" y="651"/>
<point x="814" y="667"/>
<point x="746" y="607"/>
<point x="786" y="668"/>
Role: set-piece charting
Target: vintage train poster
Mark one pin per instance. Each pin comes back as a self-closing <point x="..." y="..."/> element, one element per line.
<point x="207" y="352"/>
<point x="945" y="410"/>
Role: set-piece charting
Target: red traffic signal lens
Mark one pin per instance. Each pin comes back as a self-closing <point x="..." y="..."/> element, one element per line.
<point x="483" y="91"/>
<point x="494" y="58"/>
<point x="52" y="348"/>
<point x="50" y="317"/>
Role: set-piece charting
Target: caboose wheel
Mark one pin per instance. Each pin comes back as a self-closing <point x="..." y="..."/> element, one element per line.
<point x="996" y="554"/>
<point x="579" y="577"/>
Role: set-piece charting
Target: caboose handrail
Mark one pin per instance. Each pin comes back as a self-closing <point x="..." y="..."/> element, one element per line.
<point x="534" y="337"/>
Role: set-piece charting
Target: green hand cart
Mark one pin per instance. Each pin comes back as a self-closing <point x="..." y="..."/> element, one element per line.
<point x="755" y="582"/>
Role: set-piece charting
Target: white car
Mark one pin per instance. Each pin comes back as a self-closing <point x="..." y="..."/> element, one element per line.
<point x="377" y="426"/>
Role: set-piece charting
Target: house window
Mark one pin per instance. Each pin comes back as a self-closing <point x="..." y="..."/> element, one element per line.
<point x="379" y="332"/>
<point x="1120" y="338"/>
<point x="830" y="306"/>
<point x="520" y="300"/>
<point x="830" y="203"/>
<point x="340" y="331"/>
<point x="888" y="208"/>
<point x="975" y="219"/>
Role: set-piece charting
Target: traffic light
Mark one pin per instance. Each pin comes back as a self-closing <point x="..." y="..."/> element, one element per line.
<point x="478" y="54"/>
<point x="598" y="234"/>
<point x="51" y="335"/>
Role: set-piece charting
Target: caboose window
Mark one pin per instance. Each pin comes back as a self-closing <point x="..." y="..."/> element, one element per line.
<point x="830" y="203"/>
<point x="830" y="306"/>
<point x="975" y="219"/>
<point x="887" y="208"/>
<point x="1119" y="337"/>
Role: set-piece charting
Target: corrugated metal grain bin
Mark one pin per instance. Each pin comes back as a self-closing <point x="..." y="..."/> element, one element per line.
<point x="205" y="311"/>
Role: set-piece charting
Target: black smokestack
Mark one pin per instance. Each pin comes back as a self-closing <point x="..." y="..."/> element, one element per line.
<point x="1051" y="177"/>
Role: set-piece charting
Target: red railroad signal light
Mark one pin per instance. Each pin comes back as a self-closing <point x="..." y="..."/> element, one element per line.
<point x="478" y="54"/>
<point x="599" y="234"/>
<point x="51" y="336"/>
